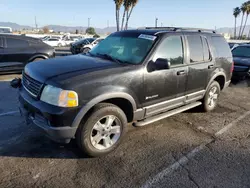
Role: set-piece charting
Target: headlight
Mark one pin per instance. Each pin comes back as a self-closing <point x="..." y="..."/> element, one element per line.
<point x="59" y="97"/>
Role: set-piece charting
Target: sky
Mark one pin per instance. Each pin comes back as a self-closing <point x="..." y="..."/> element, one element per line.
<point x="192" y="13"/>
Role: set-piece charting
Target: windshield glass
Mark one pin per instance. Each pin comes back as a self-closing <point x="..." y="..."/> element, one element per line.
<point x="128" y="49"/>
<point x="241" y="51"/>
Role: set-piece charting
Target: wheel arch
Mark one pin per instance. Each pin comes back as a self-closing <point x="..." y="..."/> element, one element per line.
<point x="123" y="100"/>
<point x="220" y="77"/>
<point x="38" y="56"/>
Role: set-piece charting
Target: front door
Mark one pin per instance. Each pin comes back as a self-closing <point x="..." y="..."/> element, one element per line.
<point x="165" y="89"/>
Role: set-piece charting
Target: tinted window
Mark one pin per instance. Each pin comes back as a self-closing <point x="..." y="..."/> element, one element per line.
<point x="1" y="42"/>
<point x="90" y="40"/>
<point x="206" y="52"/>
<point x="53" y="39"/>
<point x="221" y="47"/>
<point x="171" y="49"/>
<point x="195" y="48"/>
<point x="16" y="43"/>
<point x="241" y="51"/>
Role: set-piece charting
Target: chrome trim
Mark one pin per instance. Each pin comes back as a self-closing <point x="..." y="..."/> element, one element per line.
<point x="28" y="90"/>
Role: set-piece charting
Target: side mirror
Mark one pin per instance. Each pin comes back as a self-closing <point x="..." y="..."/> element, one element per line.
<point x="161" y="64"/>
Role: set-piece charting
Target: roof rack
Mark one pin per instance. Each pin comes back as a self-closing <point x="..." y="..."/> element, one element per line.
<point x="181" y="29"/>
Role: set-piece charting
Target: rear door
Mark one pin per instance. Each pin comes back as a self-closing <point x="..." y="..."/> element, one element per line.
<point x="200" y="64"/>
<point x="16" y="54"/>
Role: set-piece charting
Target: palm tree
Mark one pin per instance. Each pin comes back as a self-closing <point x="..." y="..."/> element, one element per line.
<point x="243" y="10"/>
<point x="247" y="14"/>
<point x="118" y="4"/>
<point x="126" y="5"/>
<point x="133" y="3"/>
<point x="236" y="13"/>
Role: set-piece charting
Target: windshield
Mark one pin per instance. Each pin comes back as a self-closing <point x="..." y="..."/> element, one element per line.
<point x="128" y="49"/>
<point x="241" y="51"/>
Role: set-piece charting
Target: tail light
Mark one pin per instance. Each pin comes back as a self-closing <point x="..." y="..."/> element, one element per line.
<point x="232" y="68"/>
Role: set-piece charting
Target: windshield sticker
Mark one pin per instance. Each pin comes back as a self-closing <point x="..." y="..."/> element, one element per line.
<point x="147" y="37"/>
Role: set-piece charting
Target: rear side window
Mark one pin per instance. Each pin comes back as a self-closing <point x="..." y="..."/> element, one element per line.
<point x="53" y="39"/>
<point x="221" y="47"/>
<point x="195" y="48"/>
<point x="16" y="43"/>
<point x="206" y="51"/>
<point x="198" y="49"/>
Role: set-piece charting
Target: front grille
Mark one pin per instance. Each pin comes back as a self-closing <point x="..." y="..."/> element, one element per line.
<point x="31" y="85"/>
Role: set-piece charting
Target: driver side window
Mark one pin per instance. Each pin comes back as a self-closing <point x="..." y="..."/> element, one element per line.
<point x="171" y="48"/>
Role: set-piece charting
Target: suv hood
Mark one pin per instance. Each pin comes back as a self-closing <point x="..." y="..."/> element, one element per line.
<point x="242" y="61"/>
<point x="46" y="69"/>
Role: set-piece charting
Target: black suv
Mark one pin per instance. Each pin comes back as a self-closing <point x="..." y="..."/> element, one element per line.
<point x="17" y="50"/>
<point x="134" y="76"/>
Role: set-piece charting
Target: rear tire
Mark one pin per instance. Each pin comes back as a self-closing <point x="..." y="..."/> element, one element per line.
<point x="210" y="100"/>
<point x="102" y="131"/>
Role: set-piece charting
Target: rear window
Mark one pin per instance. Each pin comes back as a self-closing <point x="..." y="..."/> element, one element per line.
<point x="222" y="48"/>
<point x="16" y="43"/>
<point x="241" y="51"/>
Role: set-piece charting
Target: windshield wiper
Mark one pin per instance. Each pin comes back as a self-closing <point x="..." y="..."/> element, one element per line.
<point x="107" y="56"/>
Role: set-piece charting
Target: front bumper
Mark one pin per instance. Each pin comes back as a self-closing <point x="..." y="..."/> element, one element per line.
<point x="43" y="115"/>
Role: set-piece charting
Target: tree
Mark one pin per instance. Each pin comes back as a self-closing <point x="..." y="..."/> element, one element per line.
<point x="96" y="36"/>
<point x="133" y="3"/>
<point x="247" y="4"/>
<point x="126" y="6"/>
<point x="77" y="31"/>
<point x="243" y="10"/>
<point x="90" y="31"/>
<point x="118" y="4"/>
<point x="45" y="29"/>
<point x="236" y="13"/>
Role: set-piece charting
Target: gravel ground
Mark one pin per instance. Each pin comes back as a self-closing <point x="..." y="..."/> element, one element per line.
<point x="29" y="159"/>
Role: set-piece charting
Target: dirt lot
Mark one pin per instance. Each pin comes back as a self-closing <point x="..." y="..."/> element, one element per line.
<point x="191" y="149"/>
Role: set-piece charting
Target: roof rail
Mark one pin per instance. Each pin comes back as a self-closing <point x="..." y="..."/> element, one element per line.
<point x="181" y="29"/>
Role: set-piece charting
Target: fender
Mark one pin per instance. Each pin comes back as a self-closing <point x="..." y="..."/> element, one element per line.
<point x="219" y="73"/>
<point x="38" y="56"/>
<point x="99" y="99"/>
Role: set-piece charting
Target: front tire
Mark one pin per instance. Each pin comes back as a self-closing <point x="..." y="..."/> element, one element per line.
<point x="210" y="100"/>
<point x="85" y="50"/>
<point x="102" y="131"/>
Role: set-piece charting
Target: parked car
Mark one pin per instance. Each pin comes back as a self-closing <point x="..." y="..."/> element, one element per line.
<point x="135" y="76"/>
<point x="84" y="45"/>
<point x="232" y="45"/>
<point x="16" y="51"/>
<point x="70" y="40"/>
<point x="55" y="42"/>
<point x="241" y="58"/>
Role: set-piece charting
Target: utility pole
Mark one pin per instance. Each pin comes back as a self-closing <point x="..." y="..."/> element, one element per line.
<point x="156" y="22"/>
<point x="108" y="23"/>
<point x="89" y="22"/>
<point x="161" y="24"/>
<point x="36" y="23"/>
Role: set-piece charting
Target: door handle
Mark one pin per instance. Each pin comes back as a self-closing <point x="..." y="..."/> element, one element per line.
<point x="210" y="66"/>
<point x="182" y="72"/>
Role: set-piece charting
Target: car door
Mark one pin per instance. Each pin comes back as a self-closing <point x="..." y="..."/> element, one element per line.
<point x="200" y="64"/>
<point x="16" y="54"/>
<point x="165" y="89"/>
